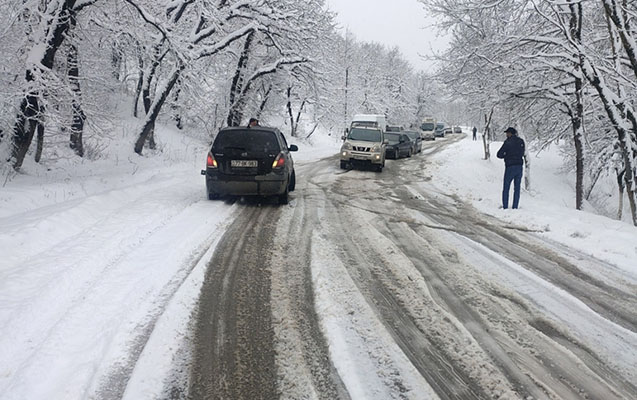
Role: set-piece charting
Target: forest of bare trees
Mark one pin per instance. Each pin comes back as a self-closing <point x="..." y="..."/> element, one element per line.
<point x="557" y="70"/>
<point x="74" y="70"/>
<point x="71" y="68"/>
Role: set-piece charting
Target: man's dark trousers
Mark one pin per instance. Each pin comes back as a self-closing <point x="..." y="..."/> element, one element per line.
<point x="512" y="173"/>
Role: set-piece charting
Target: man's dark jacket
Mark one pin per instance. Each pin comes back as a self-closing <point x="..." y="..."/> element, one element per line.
<point x="512" y="151"/>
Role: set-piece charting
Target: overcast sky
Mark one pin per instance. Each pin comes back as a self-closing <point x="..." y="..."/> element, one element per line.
<point x="401" y="23"/>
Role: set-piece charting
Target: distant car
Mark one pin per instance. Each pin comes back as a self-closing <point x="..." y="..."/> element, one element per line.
<point x="457" y="129"/>
<point x="399" y="145"/>
<point x="252" y="162"/>
<point x="440" y="130"/>
<point x="448" y="131"/>
<point x="416" y="141"/>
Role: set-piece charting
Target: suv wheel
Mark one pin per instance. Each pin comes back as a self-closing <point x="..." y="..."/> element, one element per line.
<point x="379" y="168"/>
<point x="343" y="164"/>
<point x="397" y="154"/>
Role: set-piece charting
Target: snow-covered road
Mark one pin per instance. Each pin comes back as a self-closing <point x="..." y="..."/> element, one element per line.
<point x="366" y="286"/>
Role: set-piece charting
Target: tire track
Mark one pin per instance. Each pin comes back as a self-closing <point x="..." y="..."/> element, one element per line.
<point x="234" y="357"/>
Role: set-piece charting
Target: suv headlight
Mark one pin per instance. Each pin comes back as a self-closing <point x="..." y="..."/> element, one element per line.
<point x="376" y="148"/>
<point x="346" y="146"/>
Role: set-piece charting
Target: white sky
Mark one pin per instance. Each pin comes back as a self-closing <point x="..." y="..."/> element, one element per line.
<point x="402" y="23"/>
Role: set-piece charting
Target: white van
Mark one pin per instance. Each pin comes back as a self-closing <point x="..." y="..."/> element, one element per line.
<point x="377" y="121"/>
<point x="428" y="128"/>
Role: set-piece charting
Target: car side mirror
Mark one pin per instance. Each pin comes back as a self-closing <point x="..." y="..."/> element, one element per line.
<point x="386" y="141"/>
<point x="293" y="147"/>
<point x="203" y="172"/>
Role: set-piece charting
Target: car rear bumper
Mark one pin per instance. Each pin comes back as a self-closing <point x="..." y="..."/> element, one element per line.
<point x="260" y="185"/>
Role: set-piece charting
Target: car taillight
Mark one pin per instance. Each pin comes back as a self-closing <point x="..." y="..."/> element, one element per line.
<point x="211" y="162"/>
<point x="279" y="161"/>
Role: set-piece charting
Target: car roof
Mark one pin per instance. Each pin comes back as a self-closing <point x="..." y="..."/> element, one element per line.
<point x="245" y="128"/>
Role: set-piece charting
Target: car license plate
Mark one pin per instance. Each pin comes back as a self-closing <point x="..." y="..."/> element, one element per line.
<point x="243" y="163"/>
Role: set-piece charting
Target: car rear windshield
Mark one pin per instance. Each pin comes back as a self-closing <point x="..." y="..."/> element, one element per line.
<point x="366" y="135"/>
<point x="251" y="140"/>
<point x="413" y="135"/>
<point x="392" y="137"/>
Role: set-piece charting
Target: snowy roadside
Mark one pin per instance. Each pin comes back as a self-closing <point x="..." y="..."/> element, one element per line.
<point x="102" y="264"/>
<point x="547" y="208"/>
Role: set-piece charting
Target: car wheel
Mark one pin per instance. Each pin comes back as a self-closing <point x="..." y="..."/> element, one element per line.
<point x="379" y="168"/>
<point x="213" y="196"/>
<point x="292" y="184"/>
<point x="343" y="164"/>
<point x="397" y="154"/>
<point x="409" y="154"/>
<point x="283" y="198"/>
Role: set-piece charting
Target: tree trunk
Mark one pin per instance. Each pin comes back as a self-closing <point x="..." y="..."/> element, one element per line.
<point x="77" y="124"/>
<point x="575" y="25"/>
<point x="264" y="101"/>
<point x="30" y="108"/>
<point x="140" y="84"/>
<point x="237" y="103"/>
<point x="288" y="105"/>
<point x="485" y="134"/>
<point x="39" y="142"/>
<point x="155" y="107"/>
<point x="620" y="187"/>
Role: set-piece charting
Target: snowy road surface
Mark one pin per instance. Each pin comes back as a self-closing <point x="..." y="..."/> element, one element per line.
<point x="377" y="286"/>
<point x="366" y="286"/>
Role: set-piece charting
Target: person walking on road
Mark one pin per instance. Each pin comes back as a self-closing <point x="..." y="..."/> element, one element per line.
<point x="475" y="130"/>
<point x="512" y="151"/>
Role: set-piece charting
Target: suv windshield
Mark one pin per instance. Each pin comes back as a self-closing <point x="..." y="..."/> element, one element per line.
<point x="366" y="135"/>
<point x="427" y="126"/>
<point x="251" y="140"/>
<point x="392" y="137"/>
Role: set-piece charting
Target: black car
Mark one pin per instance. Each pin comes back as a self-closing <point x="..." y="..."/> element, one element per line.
<point x="416" y="141"/>
<point x="399" y="145"/>
<point x="250" y="161"/>
<point x="440" y="130"/>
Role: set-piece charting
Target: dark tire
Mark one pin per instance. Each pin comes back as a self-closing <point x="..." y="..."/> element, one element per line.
<point x="409" y="154"/>
<point x="213" y="196"/>
<point x="343" y="164"/>
<point x="379" y="168"/>
<point x="396" y="154"/>
<point x="292" y="184"/>
<point x="283" y="198"/>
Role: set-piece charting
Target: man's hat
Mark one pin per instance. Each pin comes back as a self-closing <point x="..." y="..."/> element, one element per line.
<point x="511" y="130"/>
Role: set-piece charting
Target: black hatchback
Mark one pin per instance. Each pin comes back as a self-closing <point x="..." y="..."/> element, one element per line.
<point x="250" y="162"/>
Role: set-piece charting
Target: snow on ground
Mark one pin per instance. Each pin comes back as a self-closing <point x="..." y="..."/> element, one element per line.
<point x="548" y="207"/>
<point x="103" y="260"/>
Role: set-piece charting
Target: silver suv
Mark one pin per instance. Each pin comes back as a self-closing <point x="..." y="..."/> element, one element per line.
<point x="363" y="146"/>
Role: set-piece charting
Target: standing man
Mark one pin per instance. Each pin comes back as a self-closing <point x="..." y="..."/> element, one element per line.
<point x="512" y="151"/>
<point x="475" y="130"/>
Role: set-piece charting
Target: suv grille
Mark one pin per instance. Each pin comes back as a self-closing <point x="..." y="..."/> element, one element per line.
<point x="359" y="148"/>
